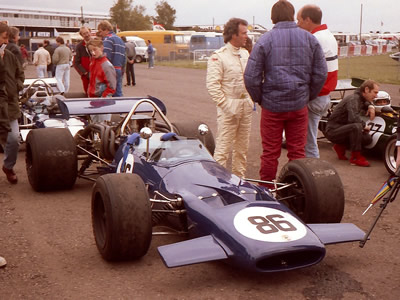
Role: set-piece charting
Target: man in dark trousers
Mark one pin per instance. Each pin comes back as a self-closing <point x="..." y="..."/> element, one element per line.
<point x="130" y="61"/>
<point x="346" y="128"/>
<point x="14" y="81"/>
<point x="50" y="49"/>
<point x="82" y="57"/>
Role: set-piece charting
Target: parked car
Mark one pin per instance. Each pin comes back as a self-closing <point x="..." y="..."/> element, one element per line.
<point x="140" y="47"/>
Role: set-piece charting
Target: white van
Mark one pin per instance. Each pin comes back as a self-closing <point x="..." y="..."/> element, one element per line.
<point x="141" y="48"/>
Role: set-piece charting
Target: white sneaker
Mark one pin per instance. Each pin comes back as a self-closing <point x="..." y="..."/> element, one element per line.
<point x="3" y="262"/>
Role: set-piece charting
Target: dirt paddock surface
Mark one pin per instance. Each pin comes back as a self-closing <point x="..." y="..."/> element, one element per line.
<point x="48" y="242"/>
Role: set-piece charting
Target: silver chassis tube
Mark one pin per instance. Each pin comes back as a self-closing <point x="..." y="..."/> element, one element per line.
<point x="133" y="110"/>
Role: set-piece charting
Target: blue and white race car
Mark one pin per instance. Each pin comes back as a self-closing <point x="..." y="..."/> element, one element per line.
<point x="154" y="177"/>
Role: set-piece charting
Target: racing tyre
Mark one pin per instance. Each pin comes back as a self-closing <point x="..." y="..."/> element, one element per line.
<point x="390" y="154"/>
<point x="121" y="217"/>
<point x="51" y="159"/>
<point x="190" y="130"/>
<point x="317" y="194"/>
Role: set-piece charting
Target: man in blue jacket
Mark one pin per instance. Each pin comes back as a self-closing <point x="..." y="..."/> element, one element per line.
<point x="114" y="48"/>
<point x="286" y="69"/>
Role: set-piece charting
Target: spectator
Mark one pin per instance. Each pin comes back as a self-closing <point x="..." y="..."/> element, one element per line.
<point x="309" y="18"/>
<point x="41" y="58"/>
<point x="103" y="78"/>
<point x="51" y="66"/>
<point x="150" y="52"/>
<point x="4" y="122"/>
<point x="234" y="107"/>
<point x="61" y="58"/>
<point x="286" y="69"/>
<point x="114" y="49"/>
<point x="82" y="57"/>
<point x="345" y="126"/>
<point x="25" y="55"/>
<point x="13" y="38"/>
<point x="130" y="61"/>
<point x="14" y="81"/>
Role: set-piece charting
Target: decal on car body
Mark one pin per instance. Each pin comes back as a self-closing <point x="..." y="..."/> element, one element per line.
<point x="268" y="225"/>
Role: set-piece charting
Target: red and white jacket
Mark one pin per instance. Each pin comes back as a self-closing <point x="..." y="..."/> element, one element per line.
<point x="330" y="48"/>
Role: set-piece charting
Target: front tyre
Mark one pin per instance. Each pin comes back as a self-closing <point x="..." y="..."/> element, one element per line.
<point x="317" y="194"/>
<point x="121" y="217"/>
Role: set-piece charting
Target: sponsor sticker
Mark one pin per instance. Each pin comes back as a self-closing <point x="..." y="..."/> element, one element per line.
<point x="268" y="225"/>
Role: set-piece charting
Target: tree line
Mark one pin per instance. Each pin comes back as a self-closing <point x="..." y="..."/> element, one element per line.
<point x="129" y="17"/>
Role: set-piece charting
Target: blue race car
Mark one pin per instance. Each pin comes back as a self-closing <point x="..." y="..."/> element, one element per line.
<point x="158" y="177"/>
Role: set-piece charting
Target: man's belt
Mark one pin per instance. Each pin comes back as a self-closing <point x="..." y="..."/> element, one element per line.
<point x="331" y="58"/>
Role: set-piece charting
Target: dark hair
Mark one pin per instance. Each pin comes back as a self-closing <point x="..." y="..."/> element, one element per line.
<point x="123" y="38"/>
<point x="149" y="41"/>
<point x="4" y="27"/>
<point x="282" y="11"/>
<point x="13" y="32"/>
<point x="249" y="45"/>
<point x="368" y="84"/>
<point x="232" y="27"/>
<point x="313" y="12"/>
<point x="47" y="42"/>
<point x="60" y="40"/>
<point x="40" y="45"/>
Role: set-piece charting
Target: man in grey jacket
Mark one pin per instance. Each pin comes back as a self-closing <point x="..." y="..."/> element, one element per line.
<point x="286" y="69"/>
<point x="61" y="59"/>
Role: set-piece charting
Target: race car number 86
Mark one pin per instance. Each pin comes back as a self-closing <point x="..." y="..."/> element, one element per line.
<point x="268" y="224"/>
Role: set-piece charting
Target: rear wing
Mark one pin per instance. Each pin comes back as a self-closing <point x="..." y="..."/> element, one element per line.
<point x="95" y="106"/>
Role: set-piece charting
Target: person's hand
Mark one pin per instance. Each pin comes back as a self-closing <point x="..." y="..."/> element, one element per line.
<point x="371" y="112"/>
<point x="367" y="128"/>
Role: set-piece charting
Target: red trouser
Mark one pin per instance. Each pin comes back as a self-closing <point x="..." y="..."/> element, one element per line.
<point x="271" y="127"/>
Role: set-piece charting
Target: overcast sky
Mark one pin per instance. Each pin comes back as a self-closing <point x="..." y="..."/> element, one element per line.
<point x="340" y="15"/>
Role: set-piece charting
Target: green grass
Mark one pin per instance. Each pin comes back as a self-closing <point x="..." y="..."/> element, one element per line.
<point x="380" y="68"/>
<point x="183" y="64"/>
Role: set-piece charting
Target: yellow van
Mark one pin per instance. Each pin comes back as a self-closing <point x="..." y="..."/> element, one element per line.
<point x="170" y="44"/>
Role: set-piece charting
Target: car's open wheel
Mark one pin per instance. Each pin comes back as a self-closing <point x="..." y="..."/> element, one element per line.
<point x="390" y="154"/>
<point x="121" y="217"/>
<point x="51" y="159"/>
<point x="315" y="193"/>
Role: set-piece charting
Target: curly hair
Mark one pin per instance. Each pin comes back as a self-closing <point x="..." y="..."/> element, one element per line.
<point x="232" y="27"/>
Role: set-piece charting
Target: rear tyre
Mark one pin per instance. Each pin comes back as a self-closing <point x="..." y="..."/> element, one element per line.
<point x="51" y="159"/>
<point x="317" y="195"/>
<point x="121" y="217"/>
<point x="190" y="130"/>
<point x="390" y="154"/>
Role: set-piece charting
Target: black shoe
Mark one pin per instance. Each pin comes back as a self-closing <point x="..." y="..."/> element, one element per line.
<point x="134" y="84"/>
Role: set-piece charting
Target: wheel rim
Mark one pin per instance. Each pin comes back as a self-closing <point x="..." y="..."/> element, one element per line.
<point x="390" y="155"/>
<point x="99" y="221"/>
<point x="294" y="197"/>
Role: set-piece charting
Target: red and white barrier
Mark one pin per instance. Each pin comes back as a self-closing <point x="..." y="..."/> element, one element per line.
<point x="361" y="50"/>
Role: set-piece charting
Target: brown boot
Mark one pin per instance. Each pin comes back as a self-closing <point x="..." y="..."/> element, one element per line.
<point x="11" y="176"/>
<point x="340" y="151"/>
<point x="358" y="160"/>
